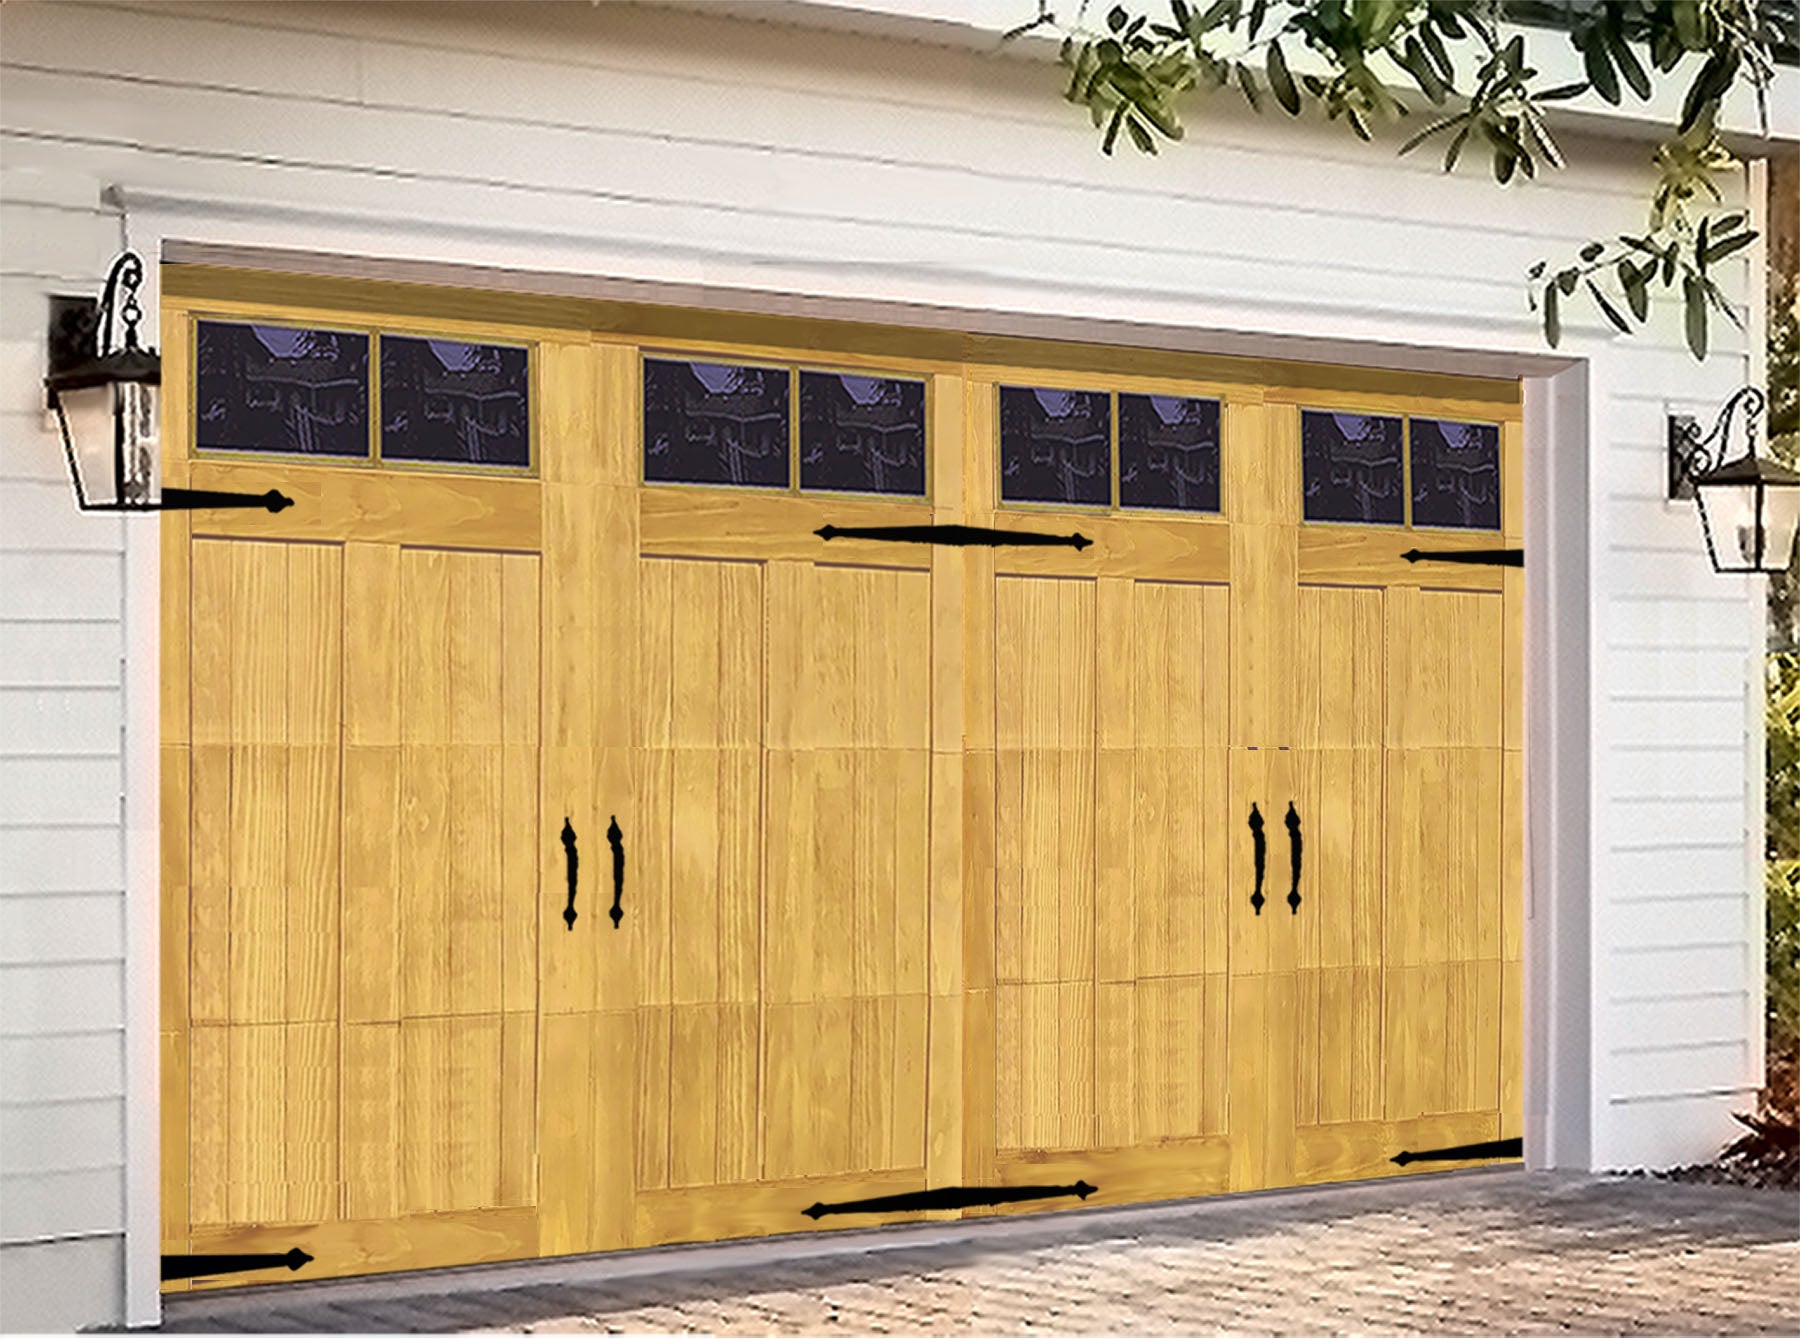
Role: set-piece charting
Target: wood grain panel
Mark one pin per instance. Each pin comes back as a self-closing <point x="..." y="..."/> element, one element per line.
<point x="1363" y="1149"/>
<point x="337" y="503"/>
<point x="348" y="1249"/>
<point x="694" y="522"/>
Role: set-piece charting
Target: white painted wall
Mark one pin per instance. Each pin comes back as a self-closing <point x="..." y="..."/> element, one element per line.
<point x="688" y="147"/>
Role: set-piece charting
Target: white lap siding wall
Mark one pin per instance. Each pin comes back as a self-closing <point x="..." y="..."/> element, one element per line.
<point x="675" y="146"/>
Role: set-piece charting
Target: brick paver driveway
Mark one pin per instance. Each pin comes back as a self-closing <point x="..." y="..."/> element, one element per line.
<point x="1472" y="1253"/>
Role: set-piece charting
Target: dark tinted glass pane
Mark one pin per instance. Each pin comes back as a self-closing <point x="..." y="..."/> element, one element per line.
<point x="1456" y="474"/>
<point x="1055" y="446"/>
<point x="712" y="423"/>
<point x="276" y="388"/>
<point x="1168" y="452"/>
<point x="862" y="434"/>
<point x="1351" y="466"/>
<point x="445" y="400"/>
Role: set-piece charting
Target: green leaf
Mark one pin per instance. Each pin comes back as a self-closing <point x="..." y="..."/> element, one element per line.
<point x="1592" y="250"/>
<point x="1600" y="70"/>
<point x="1418" y="65"/>
<point x="1688" y="26"/>
<point x="1281" y="83"/>
<point x="1112" y="127"/>
<point x="1115" y="19"/>
<point x="1637" y="290"/>
<point x="1356" y="124"/>
<point x="1561" y="92"/>
<point x="1257" y="11"/>
<point x="1455" y="148"/>
<point x="1668" y="262"/>
<point x="1140" y="136"/>
<point x="1567" y="279"/>
<point x="1694" y="294"/>
<point x="1215" y="14"/>
<point x="1627" y="61"/>
<point x="1181" y="12"/>
<point x="1642" y="244"/>
<point x="1724" y="246"/>
<point x="1434" y="47"/>
<point x="1727" y="222"/>
<point x="1552" y="316"/>
<point x="1247" y="81"/>
<point x="1611" y="312"/>
<point x="1700" y="246"/>
<point x="1536" y="271"/>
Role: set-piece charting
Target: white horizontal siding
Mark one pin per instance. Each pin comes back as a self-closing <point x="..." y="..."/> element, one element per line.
<point x="69" y="1066"/>
<point x="66" y="655"/>
<point x="78" y="1135"/>
<point x="41" y="999"/>
<point x="61" y="927"/>
<point x="46" y="1205"/>
<point x="66" y="859"/>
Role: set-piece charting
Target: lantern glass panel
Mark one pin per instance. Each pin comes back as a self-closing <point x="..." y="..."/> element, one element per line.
<point x="1781" y="519"/>
<point x="1728" y="512"/>
<point x="91" y="435"/>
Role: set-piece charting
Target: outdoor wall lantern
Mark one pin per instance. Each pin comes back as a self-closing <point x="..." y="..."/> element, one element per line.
<point x="1749" y="507"/>
<point x="120" y="474"/>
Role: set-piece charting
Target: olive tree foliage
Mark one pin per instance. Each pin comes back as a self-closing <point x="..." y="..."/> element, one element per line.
<point x="1131" y="74"/>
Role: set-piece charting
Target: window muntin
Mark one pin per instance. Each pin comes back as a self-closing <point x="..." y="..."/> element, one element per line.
<point x="291" y="390"/>
<point x="455" y="402"/>
<point x="1168" y="452"/>
<point x="1055" y="446"/>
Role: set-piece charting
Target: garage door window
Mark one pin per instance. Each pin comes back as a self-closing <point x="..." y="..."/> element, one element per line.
<point x="1352" y="467"/>
<point x="1055" y="446"/>
<point x="715" y="423"/>
<point x="1168" y="452"/>
<point x="1455" y="474"/>
<point x="452" y="402"/>
<point x="281" y="390"/>
<point x="862" y="434"/>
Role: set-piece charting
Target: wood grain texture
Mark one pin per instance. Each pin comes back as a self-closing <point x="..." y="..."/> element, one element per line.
<point x="348" y="1249"/>
<point x="476" y="511"/>
<point x="1345" y="555"/>
<point x="689" y="521"/>
<point x="1361" y="1150"/>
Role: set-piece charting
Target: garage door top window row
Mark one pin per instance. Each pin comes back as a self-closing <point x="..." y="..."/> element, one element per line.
<point x="732" y="425"/>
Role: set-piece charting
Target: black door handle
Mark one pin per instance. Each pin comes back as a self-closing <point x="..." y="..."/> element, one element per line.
<point x="1293" y="827"/>
<point x="568" y="841"/>
<point x="616" y="840"/>
<point x="1261" y="849"/>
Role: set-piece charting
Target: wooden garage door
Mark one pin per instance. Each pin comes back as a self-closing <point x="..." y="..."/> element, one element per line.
<point x="933" y="862"/>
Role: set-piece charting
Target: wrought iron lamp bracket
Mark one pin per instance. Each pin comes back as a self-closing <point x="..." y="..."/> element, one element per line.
<point x="1692" y="455"/>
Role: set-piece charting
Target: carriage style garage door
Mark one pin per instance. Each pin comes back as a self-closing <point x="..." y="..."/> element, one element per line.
<point x="597" y="814"/>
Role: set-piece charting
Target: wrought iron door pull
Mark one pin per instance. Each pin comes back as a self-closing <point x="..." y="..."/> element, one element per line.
<point x="1261" y="849"/>
<point x="1293" y="827"/>
<point x="568" y="841"/>
<point x="616" y="840"/>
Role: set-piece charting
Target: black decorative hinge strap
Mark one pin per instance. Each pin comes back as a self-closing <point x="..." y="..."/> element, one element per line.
<point x="568" y="841"/>
<point x="1260" y="850"/>
<point x="616" y="840"/>
<point x="949" y="1197"/>
<point x="949" y="534"/>
<point x="205" y="499"/>
<point x="1497" y="1148"/>
<point x="1293" y="827"/>
<point x="1484" y="557"/>
<point x="198" y="1266"/>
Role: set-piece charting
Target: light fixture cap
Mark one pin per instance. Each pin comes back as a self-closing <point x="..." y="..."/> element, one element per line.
<point x="123" y="365"/>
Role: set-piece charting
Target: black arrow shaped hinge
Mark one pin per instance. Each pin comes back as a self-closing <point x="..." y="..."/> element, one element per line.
<point x="1498" y="1148"/>
<point x="1484" y="557"/>
<point x="949" y="1197"/>
<point x="197" y="1266"/>
<point x="949" y="534"/>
